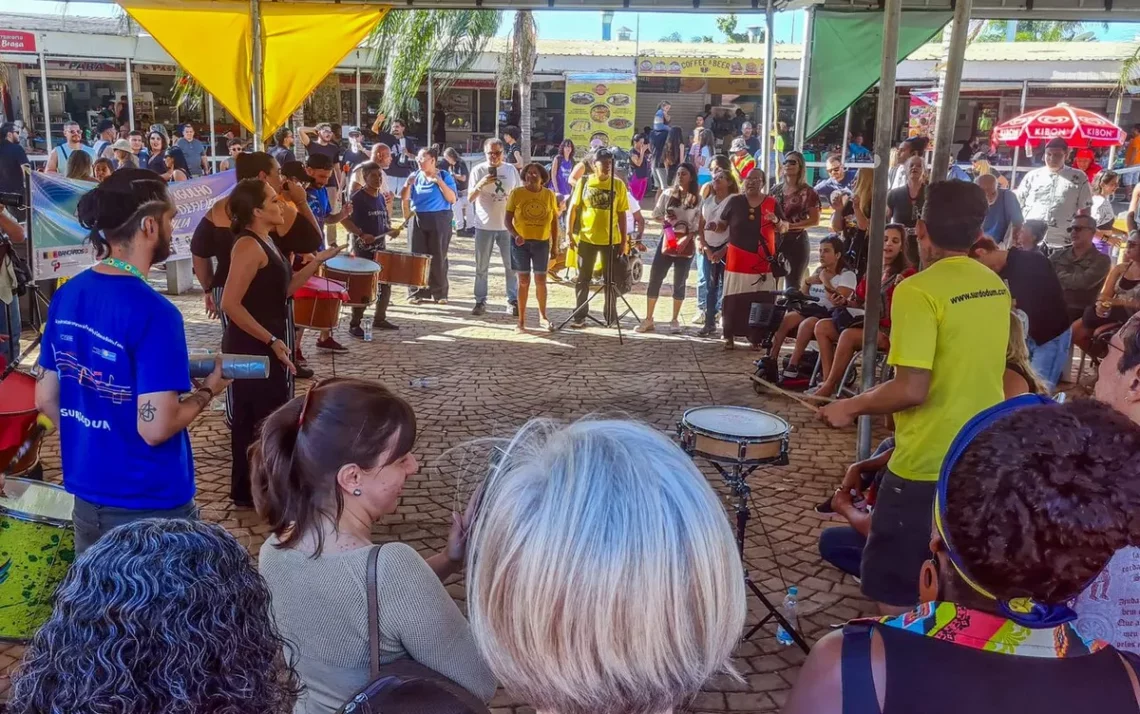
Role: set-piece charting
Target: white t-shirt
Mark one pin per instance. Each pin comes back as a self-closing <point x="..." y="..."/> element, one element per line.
<point x="846" y="279"/>
<point x="710" y="211"/>
<point x="1102" y="210"/>
<point x="491" y="202"/>
<point x="1106" y="608"/>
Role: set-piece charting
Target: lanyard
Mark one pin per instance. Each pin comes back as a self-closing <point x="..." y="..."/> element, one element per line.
<point x="123" y="265"/>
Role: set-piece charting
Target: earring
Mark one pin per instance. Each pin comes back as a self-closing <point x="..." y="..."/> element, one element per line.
<point x="356" y="492"/>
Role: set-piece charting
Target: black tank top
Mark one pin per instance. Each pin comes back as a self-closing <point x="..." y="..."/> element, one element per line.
<point x="211" y="241"/>
<point x="265" y="300"/>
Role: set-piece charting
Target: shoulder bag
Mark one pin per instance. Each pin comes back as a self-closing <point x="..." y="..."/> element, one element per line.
<point x="404" y="686"/>
<point x="777" y="263"/>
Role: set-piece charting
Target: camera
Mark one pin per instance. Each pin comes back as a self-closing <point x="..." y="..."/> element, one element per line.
<point x="11" y="200"/>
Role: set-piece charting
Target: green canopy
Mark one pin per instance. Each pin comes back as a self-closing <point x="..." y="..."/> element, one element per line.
<point x="846" y="52"/>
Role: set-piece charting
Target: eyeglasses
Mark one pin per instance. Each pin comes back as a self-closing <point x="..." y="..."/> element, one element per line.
<point x="494" y="153"/>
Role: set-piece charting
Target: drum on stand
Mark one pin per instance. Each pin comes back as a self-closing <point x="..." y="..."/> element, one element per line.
<point x="316" y="304"/>
<point x="17" y="424"/>
<point x="37" y="547"/>
<point x="399" y="268"/>
<point x="359" y="275"/>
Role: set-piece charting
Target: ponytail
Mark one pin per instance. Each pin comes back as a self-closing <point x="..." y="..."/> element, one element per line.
<point x="111" y="211"/>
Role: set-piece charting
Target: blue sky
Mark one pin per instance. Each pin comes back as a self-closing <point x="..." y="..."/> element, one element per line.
<point x="581" y="24"/>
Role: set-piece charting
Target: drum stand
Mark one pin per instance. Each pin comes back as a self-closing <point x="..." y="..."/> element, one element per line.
<point x="737" y="479"/>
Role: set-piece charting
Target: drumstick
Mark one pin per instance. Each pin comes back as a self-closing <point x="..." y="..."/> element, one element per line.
<point x="802" y="401"/>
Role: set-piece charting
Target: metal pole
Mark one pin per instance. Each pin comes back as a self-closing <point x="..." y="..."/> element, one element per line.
<point x="802" y="87"/>
<point x="498" y="103"/>
<point x="359" y="110"/>
<point x="47" y="110"/>
<point x="846" y="131"/>
<point x="431" y="109"/>
<point x="1116" y="121"/>
<point x="884" y="124"/>
<point x="769" y="89"/>
<point x="130" y="97"/>
<point x="948" y="100"/>
<point x="213" y="133"/>
<point x="1017" y="149"/>
<point x="258" y="68"/>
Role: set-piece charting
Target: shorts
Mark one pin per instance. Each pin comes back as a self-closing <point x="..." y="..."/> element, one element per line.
<point x="900" y="540"/>
<point x="532" y="256"/>
<point x="1092" y="321"/>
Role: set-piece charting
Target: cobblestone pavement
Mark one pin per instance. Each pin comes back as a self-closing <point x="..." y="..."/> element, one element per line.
<point x="486" y="380"/>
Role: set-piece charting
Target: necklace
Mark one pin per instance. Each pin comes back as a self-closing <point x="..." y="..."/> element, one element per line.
<point x="123" y="265"/>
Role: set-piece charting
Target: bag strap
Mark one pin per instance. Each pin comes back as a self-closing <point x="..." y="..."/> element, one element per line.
<point x="858" y="679"/>
<point x="373" y="614"/>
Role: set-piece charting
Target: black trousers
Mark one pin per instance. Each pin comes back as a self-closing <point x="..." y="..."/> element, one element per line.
<point x="794" y="246"/>
<point x="431" y="234"/>
<point x="661" y="265"/>
<point x="381" y="314"/>
<point x="587" y="255"/>
<point x="253" y="400"/>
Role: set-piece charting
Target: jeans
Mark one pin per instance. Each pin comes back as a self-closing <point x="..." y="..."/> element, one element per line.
<point x="10" y="328"/>
<point x="794" y="246"/>
<point x="1050" y="359"/>
<point x="485" y="242"/>
<point x="703" y="285"/>
<point x="587" y="255"/>
<point x="842" y="547"/>
<point x="715" y="273"/>
<point x="92" y="521"/>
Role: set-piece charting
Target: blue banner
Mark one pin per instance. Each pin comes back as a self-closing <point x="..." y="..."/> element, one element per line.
<point x="59" y="242"/>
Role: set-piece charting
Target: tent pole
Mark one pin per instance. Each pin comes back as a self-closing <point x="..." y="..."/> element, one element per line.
<point x="846" y="132"/>
<point x="130" y="97"/>
<point x="1116" y="121"/>
<point x="802" y="86"/>
<point x="431" y="108"/>
<point x="884" y="129"/>
<point x="769" y="111"/>
<point x="359" y="110"/>
<point x="1017" y="149"/>
<point x="213" y="133"/>
<point x="47" y="110"/>
<point x="948" y="97"/>
<point x="258" y="69"/>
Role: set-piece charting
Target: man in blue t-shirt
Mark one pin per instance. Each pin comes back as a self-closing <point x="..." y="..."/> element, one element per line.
<point x="114" y="373"/>
<point x="319" y="168"/>
<point x="369" y="223"/>
<point x="1004" y="211"/>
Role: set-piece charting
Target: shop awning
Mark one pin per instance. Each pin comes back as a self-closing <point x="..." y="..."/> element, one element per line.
<point x="300" y="44"/>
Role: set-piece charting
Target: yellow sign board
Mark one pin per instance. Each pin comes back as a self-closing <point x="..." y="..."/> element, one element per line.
<point x="600" y="110"/>
<point x="708" y="67"/>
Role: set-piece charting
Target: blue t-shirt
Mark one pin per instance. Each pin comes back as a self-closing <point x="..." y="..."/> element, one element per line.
<point x="370" y="213"/>
<point x="112" y="338"/>
<point x="319" y="204"/>
<point x="1004" y="211"/>
<point x="426" y="196"/>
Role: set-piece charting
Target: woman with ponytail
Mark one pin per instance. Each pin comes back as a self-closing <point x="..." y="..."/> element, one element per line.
<point x="326" y="468"/>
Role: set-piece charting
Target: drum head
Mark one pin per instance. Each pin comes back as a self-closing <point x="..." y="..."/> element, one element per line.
<point x="348" y="264"/>
<point x="18" y="394"/>
<point x="36" y="501"/>
<point x="736" y="422"/>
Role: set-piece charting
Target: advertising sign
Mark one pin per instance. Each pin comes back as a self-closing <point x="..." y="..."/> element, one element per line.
<point x="923" y="112"/>
<point x="600" y="109"/>
<point x="706" y="67"/>
<point x="17" y="41"/>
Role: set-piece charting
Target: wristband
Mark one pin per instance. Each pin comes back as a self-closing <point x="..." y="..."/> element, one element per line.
<point x="272" y="339"/>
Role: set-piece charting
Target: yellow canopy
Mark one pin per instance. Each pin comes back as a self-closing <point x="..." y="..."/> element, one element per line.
<point x="213" y="42"/>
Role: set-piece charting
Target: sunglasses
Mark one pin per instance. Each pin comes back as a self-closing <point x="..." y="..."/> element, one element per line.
<point x="494" y="153"/>
<point x="1074" y="229"/>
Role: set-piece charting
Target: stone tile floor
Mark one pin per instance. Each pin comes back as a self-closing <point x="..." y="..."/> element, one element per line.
<point x="486" y="381"/>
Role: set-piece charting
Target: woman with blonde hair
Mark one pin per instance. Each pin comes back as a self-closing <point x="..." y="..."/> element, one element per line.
<point x="80" y="166"/>
<point x="852" y="218"/>
<point x="602" y="571"/>
<point x="982" y="167"/>
<point x="1019" y="377"/>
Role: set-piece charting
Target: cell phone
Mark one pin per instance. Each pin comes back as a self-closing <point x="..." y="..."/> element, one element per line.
<point x="493" y="171"/>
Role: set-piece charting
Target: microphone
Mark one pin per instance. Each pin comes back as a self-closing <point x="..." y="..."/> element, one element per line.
<point x="233" y="366"/>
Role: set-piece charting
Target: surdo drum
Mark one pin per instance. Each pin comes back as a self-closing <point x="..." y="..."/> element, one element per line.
<point x="359" y="275"/>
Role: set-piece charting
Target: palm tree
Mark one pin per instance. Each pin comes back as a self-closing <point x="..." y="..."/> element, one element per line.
<point x="517" y="66"/>
<point x="1130" y="70"/>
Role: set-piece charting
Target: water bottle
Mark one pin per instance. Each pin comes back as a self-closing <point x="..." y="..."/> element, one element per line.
<point x="423" y="382"/>
<point x="788" y="610"/>
<point x="367" y="331"/>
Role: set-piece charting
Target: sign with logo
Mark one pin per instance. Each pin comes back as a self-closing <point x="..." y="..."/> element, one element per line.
<point x="707" y="67"/>
<point x="600" y="110"/>
<point x="923" y="112"/>
<point x="17" y="41"/>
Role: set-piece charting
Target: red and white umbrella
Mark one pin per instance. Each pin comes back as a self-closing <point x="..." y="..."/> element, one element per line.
<point x="1079" y="127"/>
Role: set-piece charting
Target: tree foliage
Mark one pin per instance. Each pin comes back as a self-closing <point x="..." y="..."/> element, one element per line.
<point x="1033" y="31"/>
<point x="727" y="25"/>
<point x="674" y="37"/>
<point x="516" y="66"/>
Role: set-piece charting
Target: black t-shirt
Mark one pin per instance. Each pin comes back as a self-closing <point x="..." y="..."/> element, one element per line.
<point x="903" y="209"/>
<point x="282" y="155"/>
<point x="641" y="171"/>
<point x="402" y="165"/>
<point x="511" y="154"/>
<point x="753" y="144"/>
<point x="460" y="169"/>
<point x="354" y="158"/>
<point x="657" y="141"/>
<point x="210" y="241"/>
<point x="12" y="157"/>
<point x="330" y="150"/>
<point x="1035" y="288"/>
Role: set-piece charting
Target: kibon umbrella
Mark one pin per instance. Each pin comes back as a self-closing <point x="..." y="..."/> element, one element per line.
<point x="1079" y="127"/>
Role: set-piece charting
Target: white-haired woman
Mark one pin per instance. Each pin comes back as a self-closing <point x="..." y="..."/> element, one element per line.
<point x="603" y="575"/>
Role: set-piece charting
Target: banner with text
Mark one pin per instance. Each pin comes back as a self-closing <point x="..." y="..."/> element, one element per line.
<point x="60" y="244"/>
<point x="656" y="66"/>
<point x="923" y="112"/>
<point x="600" y="109"/>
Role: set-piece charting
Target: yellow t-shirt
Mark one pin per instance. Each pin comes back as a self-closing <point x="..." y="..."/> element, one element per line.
<point x="952" y="319"/>
<point x="533" y="212"/>
<point x="594" y="208"/>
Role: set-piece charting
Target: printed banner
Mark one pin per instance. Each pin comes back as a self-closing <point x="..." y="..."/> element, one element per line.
<point x="923" y="112"/>
<point x="59" y="242"/>
<point x="600" y="109"/>
<point x="655" y="66"/>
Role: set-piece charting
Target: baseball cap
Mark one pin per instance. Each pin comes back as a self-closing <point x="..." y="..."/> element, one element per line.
<point x="1057" y="143"/>
<point x="121" y="145"/>
<point x="980" y="156"/>
<point x="354" y="131"/>
<point x="739" y="144"/>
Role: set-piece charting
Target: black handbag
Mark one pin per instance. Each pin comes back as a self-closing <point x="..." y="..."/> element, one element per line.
<point x="777" y="263"/>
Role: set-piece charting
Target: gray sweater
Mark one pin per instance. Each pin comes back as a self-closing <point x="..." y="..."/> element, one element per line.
<point x="320" y="606"/>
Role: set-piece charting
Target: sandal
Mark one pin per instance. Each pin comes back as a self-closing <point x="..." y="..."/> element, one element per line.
<point x="729" y="344"/>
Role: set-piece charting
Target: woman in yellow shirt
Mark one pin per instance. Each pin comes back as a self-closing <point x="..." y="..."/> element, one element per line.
<point x="532" y="220"/>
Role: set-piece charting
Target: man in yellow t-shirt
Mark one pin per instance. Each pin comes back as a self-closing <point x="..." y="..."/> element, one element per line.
<point x="597" y="208"/>
<point x="949" y="332"/>
<point x="532" y="220"/>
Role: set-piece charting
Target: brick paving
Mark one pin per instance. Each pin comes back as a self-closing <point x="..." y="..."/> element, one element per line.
<point x="486" y="380"/>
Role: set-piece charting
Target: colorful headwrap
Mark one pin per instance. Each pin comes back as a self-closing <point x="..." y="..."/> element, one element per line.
<point x="1023" y="611"/>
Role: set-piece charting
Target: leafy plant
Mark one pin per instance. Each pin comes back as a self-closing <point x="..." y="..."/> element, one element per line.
<point x="516" y="66"/>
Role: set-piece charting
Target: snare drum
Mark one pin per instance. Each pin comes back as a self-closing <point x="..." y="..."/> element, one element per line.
<point x="404" y="268"/>
<point x="316" y="304"/>
<point x="17" y="422"/>
<point x="37" y="548"/>
<point x="736" y="435"/>
<point x="359" y="275"/>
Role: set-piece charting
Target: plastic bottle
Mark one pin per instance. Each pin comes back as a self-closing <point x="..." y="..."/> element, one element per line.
<point x="367" y="331"/>
<point x="788" y="610"/>
<point x="423" y="382"/>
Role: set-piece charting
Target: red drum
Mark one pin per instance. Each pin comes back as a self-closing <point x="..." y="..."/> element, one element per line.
<point x="404" y="268"/>
<point x="17" y="420"/>
<point x="360" y="275"/>
<point x="316" y="304"/>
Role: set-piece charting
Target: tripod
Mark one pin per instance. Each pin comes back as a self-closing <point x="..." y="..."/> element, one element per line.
<point x="737" y="479"/>
<point x="607" y="273"/>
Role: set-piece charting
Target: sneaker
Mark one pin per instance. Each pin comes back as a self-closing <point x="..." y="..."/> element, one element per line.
<point x="675" y="327"/>
<point x="544" y="324"/>
<point x="792" y="371"/>
<point x="646" y="326"/>
<point x="331" y="345"/>
<point x="699" y="318"/>
<point x="384" y="325"/>
<point x="479" y="309"/>
<point x="357" y="332"/>
<point x="514" y="309"/>
<point x="578" y="323"/>
<point x="303" y="372"/>
<point x="415" y="301"/>
<point x="441" y="301"/>
<point x="706" y="331"/>
<point x="768" y="370"/>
